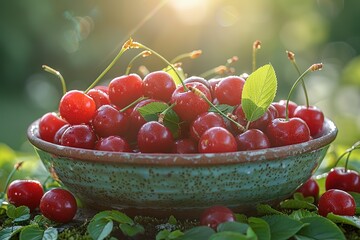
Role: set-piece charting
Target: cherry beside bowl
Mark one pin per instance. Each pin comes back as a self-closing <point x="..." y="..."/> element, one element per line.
<point x="182" y="185"/>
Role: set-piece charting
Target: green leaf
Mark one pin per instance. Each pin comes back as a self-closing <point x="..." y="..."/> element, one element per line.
<point x="175" y="234"/>
<point x="201" y="232"/>
<point x="114" y="215"/>
<point x="173" y="74"/>
<point x="241" y="218"/>
<point x="356" y="197"/>
<point x="259" y="92"/>
<point x="50" y="234"/>
<point x="297" y="204"/>
<point x="131" y="230"/>
<point x="233" y="227"/>
<point x="100" y="228"/>
<point x="228" y="236"/>
<point x="9" y="232"/>
<point x="302" y="213"/>
<point x="151" y="111"/>
<point x="31" y="232"/>
<point x="264" y="209"/>
<point x="172" y="220"/>
<point x="300" y="197"/>
<point x="282" y="226"/>
<point x="260" y="227"/>
<point x="162" y="235"/>
<point x="18" y="214"/>
<point x="349" y="220"/>
<point x="319" y="228"/>
<point x="224" y="108"/>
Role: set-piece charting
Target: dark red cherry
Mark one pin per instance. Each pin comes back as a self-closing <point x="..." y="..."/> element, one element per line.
<point x="217" y="140"/>
<point x="76" y="107"/>
<point x="100" y="98"/>
<point x="108" y="121"/>
<point x="197" y="79"/>
<point x="59" y="133"/>
<point x="113" y="144"/>
<point x="229" y="90"/>
<point x="310" y="189"/>
<point x="186" y="145"/>
<point x="313" y="117"/>
<point x="125" y="89"/>
<point x="159" y="85"/>
<point x="205" y="121"/>
<point x="215" y="215"/>
<point x="292" y="106"/>
<point x="189" y="105"/>
<point x="281" y="109"/>
<point x="282" y="132"/>
<point x="49" y="124"/>
<point x="154" y="137"/>
<point x="79" y="136"/>
<point x="337" y="202"/>
<point x="25" y="193"/>
<point x="346" y="180"/>
<point x="252" y="139"/>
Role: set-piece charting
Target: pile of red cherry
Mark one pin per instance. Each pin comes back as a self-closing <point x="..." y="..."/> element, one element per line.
<point x="106" y="118"/>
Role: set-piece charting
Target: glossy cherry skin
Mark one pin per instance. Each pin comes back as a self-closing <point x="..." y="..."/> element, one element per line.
<point x="252" y="139"/>
<point x="199" y="80"/>
<point x="205" y="121"/>
<point x="281" y="132"/>
<point x="153" y="137"/>
<point x="59" y="133"/>
<point x="346" y="180"/>
<point x="215" y="215"/>
<point x="186" y="145"/>
<point x="159" y="85"/>
<point x="229" y="90"/>
<point x="25" y="193"/>
<point x="281" y="109"/>
<point x="58" y="205"/>
<point x="79" y="136"/>
<point x="313" y="117"/>
<point x="49" y="124"/>
<point x="100" y="98"/>
<point x="338" y="202"/>
<point x="217" y="140"/>
<point x="125" y="89"/>
<point x="113" y="144"/>
<point x="291" y="107"/>
<point x="310" y="189"/>
<point x="76" y="107"/>
<point x="109" y="121"/>
<point x="188" y="105"/>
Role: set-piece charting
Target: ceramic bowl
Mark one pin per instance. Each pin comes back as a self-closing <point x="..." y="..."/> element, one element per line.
<point x="182" y="184"/>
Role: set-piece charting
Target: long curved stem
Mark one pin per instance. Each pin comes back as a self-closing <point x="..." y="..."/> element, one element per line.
<point x="58" y="74"/>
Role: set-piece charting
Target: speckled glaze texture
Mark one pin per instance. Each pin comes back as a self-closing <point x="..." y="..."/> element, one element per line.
<point x="183" y="185"/>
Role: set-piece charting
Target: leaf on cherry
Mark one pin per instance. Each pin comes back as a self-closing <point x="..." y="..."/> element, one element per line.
<point x="151" y="111"/>
<point x="224" y="108"/>
<point x="259" y="92"/>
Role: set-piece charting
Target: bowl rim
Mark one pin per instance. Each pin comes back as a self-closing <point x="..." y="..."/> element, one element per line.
<point x="191" y="159"/>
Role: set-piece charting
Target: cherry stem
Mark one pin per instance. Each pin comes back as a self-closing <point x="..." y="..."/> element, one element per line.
<point x="202" y="95"/>
<point x="256" y="46"/>
<point x="220" y="70"/>
<point x="128" y="44"/>
<point x="312" y="68"/>
<point x="166" y="61"/>
<point x="192" y="55"/>
<point x="163" y="113"/>
<point x="142" y="54"/>
<point x="348" y="152"/>
<point x="16" y="167"/>
<point x="58" y="74"/>
<point x="133" y="103"/>
<point x="291" y="57"/>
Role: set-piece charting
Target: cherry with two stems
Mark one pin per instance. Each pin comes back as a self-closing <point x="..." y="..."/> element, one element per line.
<point x="287" y="131"/>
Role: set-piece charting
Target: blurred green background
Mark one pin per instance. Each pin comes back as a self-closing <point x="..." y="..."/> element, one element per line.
<point x="79" y="38"/>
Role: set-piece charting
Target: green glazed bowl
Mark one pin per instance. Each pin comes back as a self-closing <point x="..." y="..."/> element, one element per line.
<point x="182" y="184"/>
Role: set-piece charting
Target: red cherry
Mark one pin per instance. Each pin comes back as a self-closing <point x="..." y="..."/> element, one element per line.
<point x="58" y="205"/>
<point x="188" y="105"/>
<point x="313" y="117"/>
<point x="159" y="85"/>
<point x="281" y="109"/>
<point x="25" y="193"/>
<point x="100" y="98"/>
<point x="205" y="121"/>
<point x="76" y="107"/>
<point x="197" y="79"/>
<point x="186" y="145"/>
<point x="292" y="106"/>
<point x="252" y="139"/>
<point x="109" y="121"/>
<point x="229" y="90"/>
<point x="217" y="140"/>
<point x="49" y="124"/>
<point x="125" y="89"/>
<point x="153" y="137"/>
<point x="346" y="180"/>
<point x="104" y="89"/>
<point x="79" y="136"/>
<point x="281" y="132"/>
<point x="113" y="144"/>
<point x="212" y="83"/>
<point x="310" y="189"/>
<point x="59" y="133"/>
<point x="215" y="215"/>
<point x="337" y="202"/>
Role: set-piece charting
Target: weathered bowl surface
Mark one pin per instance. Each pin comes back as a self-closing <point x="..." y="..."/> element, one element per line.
<point x="182" y="185"/>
